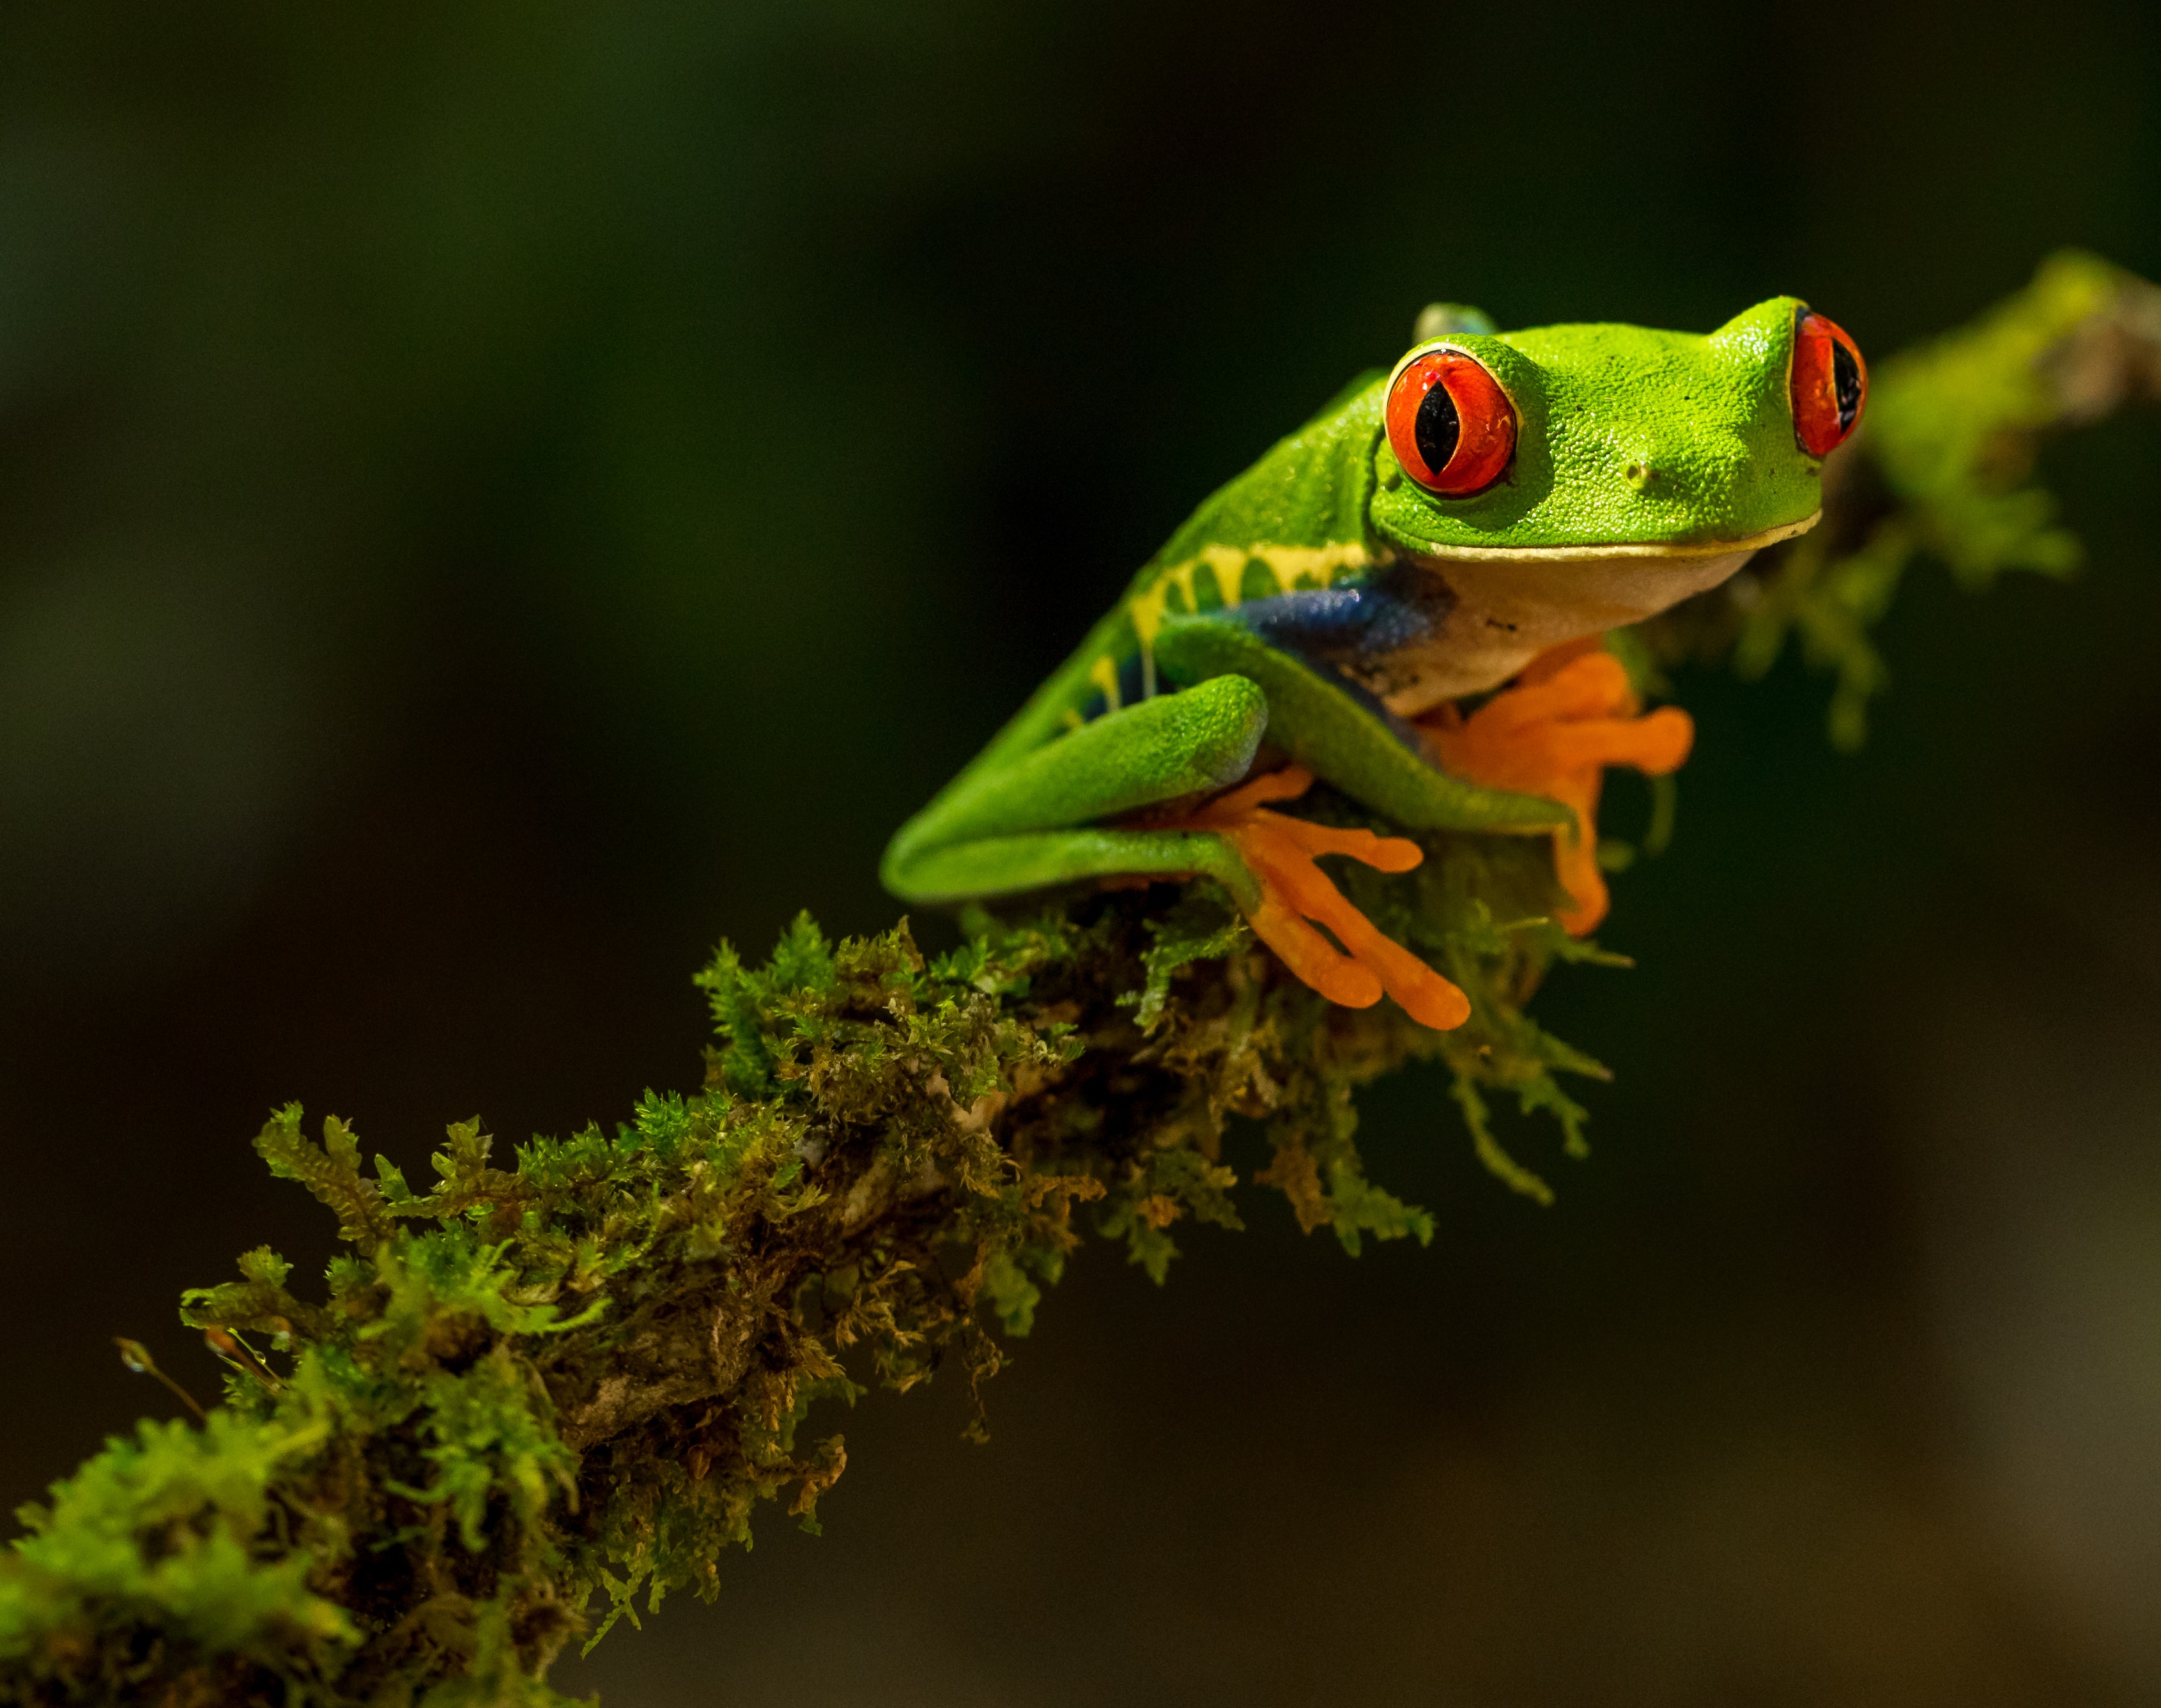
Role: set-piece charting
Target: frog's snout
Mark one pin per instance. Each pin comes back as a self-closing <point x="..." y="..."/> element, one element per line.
<point x="1707" y="465"/>
<point x="1710" y="479"/>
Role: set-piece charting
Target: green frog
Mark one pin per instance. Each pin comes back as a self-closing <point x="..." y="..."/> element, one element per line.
<point x="1475" y="519"/>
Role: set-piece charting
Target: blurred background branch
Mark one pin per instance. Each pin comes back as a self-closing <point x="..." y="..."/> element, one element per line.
<point x="1944" y="467"/>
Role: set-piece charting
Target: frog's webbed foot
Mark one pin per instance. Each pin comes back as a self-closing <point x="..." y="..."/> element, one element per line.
<point x="1279" y="852"/>
<point x="1552" y="733"/>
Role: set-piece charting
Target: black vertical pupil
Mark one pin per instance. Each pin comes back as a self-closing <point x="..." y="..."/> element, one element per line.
<point x="1845" y="380"/>
<point x="1438" y="427"/>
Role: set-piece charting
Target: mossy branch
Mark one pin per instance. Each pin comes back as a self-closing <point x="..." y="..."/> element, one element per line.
<point x="574" y="1375"/>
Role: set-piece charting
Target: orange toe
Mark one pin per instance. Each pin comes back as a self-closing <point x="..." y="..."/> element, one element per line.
<point x="1570" y="715"/>
<point x="1297" y="896"/>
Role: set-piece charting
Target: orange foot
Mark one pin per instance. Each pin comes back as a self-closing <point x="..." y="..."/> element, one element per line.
<point x="1552" y="733"/>
<point x="1279" y="850"/>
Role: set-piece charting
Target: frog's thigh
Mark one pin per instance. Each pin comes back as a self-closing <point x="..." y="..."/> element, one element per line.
<point x="1012" y="865"/>
<point x="1318" y="724"/>
<point x="1154" y="750"/>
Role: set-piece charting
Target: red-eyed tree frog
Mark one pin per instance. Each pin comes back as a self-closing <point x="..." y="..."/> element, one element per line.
<point x="1475" y="519"/>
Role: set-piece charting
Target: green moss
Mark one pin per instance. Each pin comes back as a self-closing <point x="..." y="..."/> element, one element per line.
<point x="180" y="1537"/>
<point x="579" y="1376"/>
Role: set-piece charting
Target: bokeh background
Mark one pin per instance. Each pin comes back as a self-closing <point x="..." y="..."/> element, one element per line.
<point x="493" y="498"/>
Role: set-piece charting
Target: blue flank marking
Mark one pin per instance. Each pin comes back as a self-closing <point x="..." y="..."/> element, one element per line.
<point x="1325" y="627"/>
<point x="1328" y="628"/>
<point x="1393" y="610"/>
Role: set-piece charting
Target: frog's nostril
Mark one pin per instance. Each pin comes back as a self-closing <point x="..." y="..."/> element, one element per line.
<point x="1648" y="465"/>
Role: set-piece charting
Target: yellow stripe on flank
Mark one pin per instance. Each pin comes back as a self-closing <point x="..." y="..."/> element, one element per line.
<point x="1073" y="721"/>
<point x="1290" y="565"/>
<point x="1228" y="564"/>
<point x="1293" y="564"/>
<point x="1105" y="676"/>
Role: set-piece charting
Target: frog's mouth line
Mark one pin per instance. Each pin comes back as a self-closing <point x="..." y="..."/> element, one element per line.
<point x="1602" y="553"/>
<point x="1506" y="604"/>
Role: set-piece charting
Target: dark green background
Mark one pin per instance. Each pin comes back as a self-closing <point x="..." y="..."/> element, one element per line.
<point x="492" y="499"/>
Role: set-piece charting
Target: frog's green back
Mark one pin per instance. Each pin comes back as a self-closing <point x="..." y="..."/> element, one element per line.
<point x="1308" y="490"/>
<point x="1295" y="519"/>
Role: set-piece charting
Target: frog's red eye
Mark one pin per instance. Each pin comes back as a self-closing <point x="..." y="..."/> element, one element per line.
<point x="1449" y="424"/>
<point x="1831" y="384"/>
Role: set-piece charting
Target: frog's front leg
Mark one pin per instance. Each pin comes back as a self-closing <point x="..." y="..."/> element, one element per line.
<point x="1553" y="732"/>
<point x="1344" y="737"/>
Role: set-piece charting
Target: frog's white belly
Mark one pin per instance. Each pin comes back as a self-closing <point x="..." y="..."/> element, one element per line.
<point x="1510" y="605"/>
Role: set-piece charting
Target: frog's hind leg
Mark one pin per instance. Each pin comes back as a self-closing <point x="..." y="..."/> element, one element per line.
<point x="1009" y="828"/>
<point x="1264" y="859"/>
<point x="991" y="867"/>
<point x="1140" y="756"/>
<point x="1552" y="733"/>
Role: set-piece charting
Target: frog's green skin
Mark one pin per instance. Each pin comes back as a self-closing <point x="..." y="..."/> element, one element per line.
<point x="1322" y="596"/>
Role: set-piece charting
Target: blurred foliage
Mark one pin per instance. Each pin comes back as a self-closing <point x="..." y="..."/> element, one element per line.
<point x="579" y="1376"/>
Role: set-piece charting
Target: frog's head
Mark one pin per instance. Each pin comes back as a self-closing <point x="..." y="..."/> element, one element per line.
<point x="1572" y="478"/>
<point x="1607" y="435"/>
